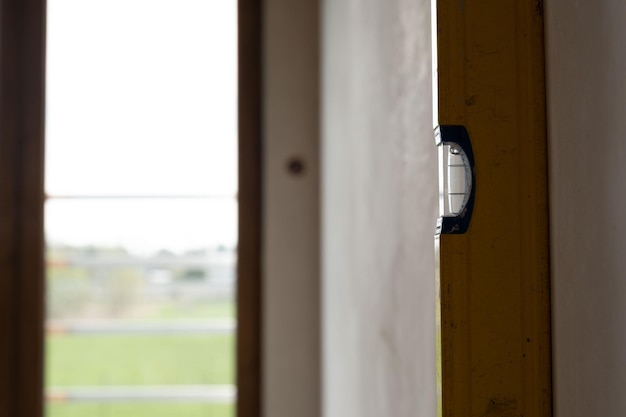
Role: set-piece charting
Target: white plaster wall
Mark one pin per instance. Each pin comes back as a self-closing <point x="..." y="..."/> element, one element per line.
<point x="586" y="68"/>
<point x="378" y="209"/>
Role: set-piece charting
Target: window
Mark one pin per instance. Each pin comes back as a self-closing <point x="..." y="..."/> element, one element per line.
<point x="141" y="207"/>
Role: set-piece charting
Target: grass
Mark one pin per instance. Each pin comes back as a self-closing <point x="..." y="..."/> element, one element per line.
<point x="139" y="410"/>
<point x="142" y="359"/>
<point x="139" y="360"/>
<point x="75" y="360"/>
<point x="212" y="310"/>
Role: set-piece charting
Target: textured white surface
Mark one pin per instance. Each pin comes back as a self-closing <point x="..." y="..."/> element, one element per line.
<point x="379" y="210"/>
<point x="587" y="129"/>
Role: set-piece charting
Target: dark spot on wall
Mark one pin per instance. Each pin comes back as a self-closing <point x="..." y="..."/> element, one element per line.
<point x="295" y="166"/>
<point x="470" y="101"/>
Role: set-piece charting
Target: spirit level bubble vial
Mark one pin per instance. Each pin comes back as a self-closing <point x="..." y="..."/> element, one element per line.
<point x="456" y="179"/>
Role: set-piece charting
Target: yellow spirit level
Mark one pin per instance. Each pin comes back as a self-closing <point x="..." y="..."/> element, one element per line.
<point x="493" y="308"/>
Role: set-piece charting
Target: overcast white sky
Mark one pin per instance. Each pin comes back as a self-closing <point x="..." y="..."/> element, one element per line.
<point x="141" y="99"/>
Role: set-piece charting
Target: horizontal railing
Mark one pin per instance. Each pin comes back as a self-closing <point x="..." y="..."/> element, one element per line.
<point x="89" y="327"/>
<point x="214" y="394"/>
<point x="140" y="197"/>
<point x="124" y="261"/>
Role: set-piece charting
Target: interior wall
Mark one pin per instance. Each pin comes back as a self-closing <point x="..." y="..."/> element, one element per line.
<point x="291" y="271"/>
<point x="586" y="67"/>
<point x="378" y="209"/>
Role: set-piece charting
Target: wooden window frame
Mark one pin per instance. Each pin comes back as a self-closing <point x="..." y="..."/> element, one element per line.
<point x="250" y="193"/>
<point x="22" y="86"/>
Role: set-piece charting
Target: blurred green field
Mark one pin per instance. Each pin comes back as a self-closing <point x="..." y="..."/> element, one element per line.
<point x="139" y="410"/>
<point x="108" y="360"/>
<point x="143" y="359"/>
<point x="74" y="360"/>
<point x="212" y="310"/>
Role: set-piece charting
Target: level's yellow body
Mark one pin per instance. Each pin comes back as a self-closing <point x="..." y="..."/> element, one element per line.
<point x="493" y="281"/>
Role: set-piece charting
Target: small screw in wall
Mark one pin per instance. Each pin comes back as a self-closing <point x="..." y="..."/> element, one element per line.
<point x="295" y="166"/>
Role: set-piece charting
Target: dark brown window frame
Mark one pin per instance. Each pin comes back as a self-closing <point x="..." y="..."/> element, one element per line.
<point x="22" y="89"/>
<point x="250" y="193"/>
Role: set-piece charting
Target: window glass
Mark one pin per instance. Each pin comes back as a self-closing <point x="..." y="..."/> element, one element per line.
<point x="141" y="208"/>
<point x="141" y="97"/>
